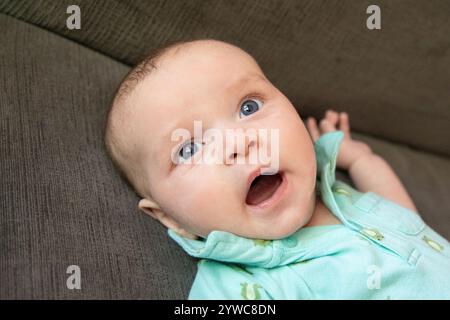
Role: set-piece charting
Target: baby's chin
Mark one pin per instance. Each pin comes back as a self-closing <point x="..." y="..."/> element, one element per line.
<point x="268" y="231"/>
<point x="284" y="231"/>
<point x="288" y="224"/>
<point x="293" y="218"/>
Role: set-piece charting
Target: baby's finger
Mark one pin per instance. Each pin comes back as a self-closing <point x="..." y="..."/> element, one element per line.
<point x="326" y="126"/>
<point x="311" y="124"/>
<point x="332" y="116"/>
<point x="344" y="123"/>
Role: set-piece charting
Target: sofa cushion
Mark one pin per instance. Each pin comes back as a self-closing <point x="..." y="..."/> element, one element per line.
<point x="61" y="200"/>
<point x="393" y="81"/>
<point x="63" y="203"/>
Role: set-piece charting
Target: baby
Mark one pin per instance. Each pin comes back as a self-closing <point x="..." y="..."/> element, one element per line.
<point x="278" y="228"/>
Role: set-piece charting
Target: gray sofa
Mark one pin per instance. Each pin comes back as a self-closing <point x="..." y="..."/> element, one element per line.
<point x="61" y="201"/>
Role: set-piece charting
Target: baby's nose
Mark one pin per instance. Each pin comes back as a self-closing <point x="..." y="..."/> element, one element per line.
<point x="238" y="151"/>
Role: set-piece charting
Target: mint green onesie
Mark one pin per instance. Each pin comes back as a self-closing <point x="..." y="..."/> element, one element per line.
<point x="381" y="251"/>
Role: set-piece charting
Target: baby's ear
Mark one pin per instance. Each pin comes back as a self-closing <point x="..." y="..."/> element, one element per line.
<point x="151" y="208"/>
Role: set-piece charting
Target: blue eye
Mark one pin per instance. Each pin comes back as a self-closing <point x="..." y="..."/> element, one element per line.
<point x="188" y="150"/>
<point x="249" y="106"/>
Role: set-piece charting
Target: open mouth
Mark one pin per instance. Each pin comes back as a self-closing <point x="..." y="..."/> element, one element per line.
<point x="263" y="187"/>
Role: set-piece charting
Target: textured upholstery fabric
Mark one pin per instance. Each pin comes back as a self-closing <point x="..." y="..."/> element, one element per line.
<point x="61" y="201"/>
<point x="319" y="52"/>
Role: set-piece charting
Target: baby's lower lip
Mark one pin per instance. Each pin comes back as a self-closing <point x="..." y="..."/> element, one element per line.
<point x="276" y="197"/>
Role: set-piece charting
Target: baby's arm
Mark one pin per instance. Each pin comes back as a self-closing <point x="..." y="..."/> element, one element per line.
<point x="368" y="171"/>
<point x="372" y="173"/>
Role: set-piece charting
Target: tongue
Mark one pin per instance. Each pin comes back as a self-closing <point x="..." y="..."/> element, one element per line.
<point x="262" y="188"/>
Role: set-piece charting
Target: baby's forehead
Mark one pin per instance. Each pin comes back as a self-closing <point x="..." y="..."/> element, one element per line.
<point x="181" y="87"/>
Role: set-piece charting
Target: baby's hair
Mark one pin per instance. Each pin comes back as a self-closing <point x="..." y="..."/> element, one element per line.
<point x="143" y="69"/>
<point x="112" y="137"/>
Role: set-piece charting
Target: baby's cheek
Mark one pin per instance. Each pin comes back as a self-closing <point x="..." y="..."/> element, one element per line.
<point x="195" y="192"/>
<point x="207" y="195"/>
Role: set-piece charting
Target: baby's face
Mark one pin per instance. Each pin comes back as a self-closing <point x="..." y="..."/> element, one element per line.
<point x="210" y="83"/>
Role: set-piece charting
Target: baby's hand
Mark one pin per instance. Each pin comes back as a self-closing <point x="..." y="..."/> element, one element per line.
<point x="350" y="150"/>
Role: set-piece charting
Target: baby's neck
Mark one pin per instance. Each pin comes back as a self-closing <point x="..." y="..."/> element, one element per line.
<point x="322" y="215"/>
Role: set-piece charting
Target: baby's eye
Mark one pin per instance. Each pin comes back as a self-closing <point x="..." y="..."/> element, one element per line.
<point x="249" y="106"/>
<point x="187" y="150"/>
